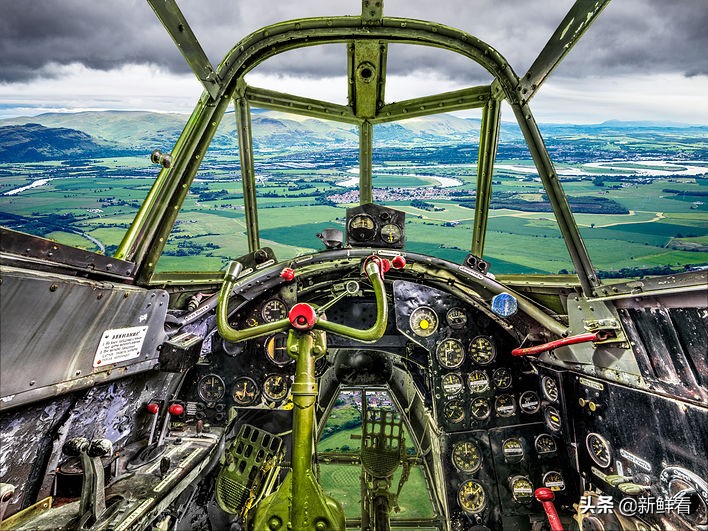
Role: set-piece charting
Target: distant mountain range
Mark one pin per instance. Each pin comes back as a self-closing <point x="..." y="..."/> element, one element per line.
<point x="55" y="136"/>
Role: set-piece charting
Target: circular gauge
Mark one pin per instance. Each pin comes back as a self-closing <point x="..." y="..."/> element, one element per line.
<point x="423" y="321"/>
<point x="480" y="408"/>
<point x="456" y="318"/>
<point x="451" y="384"/>
<point x="471" y="497"/>
<point x="599" y="449"/>
<point x="554" y="480"/>
<point x="529" y="402"/>
<point x="276" y="349"/>
<point x="482" y="350"/>
<point x="391" y="233"/>
<point x="513" y="450"/>
<point x="466" y="456"/>
<point x="545" y="444"/>
<point x="453" y="411"/>
<point x="478" y="381"/>
<point x="276" y="387"/>
<point x="549" y="388"/>
<point x="232" y="349"/>
<point x="211" y="388"/>
<point x="362" y="227"/>
<point x="501" y="378"/>
<point x="521" y="489"/>
<point x="450" y="353"/>
<point x="505" y="405"/>
<point x="552" y="418"/>
<point x="274" y="310"/>
<point x="244" y="391"/>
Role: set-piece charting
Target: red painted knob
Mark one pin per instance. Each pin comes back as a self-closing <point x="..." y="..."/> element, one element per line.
<point x="176" y="409"/>
<point x="398" y="262"/>
<point x="287" y="274"/>
<point x="385" y="265"/>
<point x="543" y="494"/>
<point x="153" y="408"/>
<point x="302" y="316"/>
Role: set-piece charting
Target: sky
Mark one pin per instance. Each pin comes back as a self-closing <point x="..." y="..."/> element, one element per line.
<point x="641" y="59"/>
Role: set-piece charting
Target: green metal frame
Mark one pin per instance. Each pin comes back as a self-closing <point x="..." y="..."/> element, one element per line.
<point x="367" y="38"/>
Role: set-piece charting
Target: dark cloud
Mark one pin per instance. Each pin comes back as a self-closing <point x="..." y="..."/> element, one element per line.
<point x="630" y="36"/>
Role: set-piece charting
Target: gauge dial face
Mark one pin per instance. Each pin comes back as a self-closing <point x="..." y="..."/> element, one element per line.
<point x="450" y="353"/>
<point x="554" y="480"/>
<point x="501" y="378"/>
<point x="391" y="233"/>
<point x="276" y="349"/>
<point x="274" y="310"/>
<point x="276" y="387"/>
<point x="453" y="411"/>
<point x="466" y="456"/>
<point x="244" y="391"/>
<point x="552" y="418"/>
<point x="211" y="388"/>
<point x="599" y="449"/>
<point x="362" y="227"/>
<point x="471" y="497"/>
<point x="513" y="450"/>
<point x="456" y="318"/>
<point x="549" y="388"/>
<point x="423" y="321"/>
<point x="545" y="444"/>
<point x="529" y="402"/>
<point x="480" y="408"/>
<point x="521" y="489"/>
<point x="482" y="350"/>
<point x="478" y="381"/>
<point x="452" y="384"/>
<point x="505" y="405"/>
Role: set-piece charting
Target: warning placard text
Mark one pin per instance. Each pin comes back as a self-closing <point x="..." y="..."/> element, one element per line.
<point x="120" y="344"/>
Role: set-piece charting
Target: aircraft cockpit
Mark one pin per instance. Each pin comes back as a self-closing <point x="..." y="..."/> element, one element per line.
<point x="367" y="385"/>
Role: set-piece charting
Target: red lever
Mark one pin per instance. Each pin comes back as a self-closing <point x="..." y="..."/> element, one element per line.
<point x="302" y="316"/>
<point x="546" y="497"/>
<point x="287" y="274"/>
<point x="176" y="409"/>
<point x="398" y="262"/>
<point x="580" y="338"/>
<point x="153" y="408"/>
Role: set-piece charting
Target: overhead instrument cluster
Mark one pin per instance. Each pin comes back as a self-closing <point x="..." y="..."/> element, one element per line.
<point x="372" y="225"/>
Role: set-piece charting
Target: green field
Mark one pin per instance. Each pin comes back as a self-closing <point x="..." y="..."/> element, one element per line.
<point x="91" y="203"/>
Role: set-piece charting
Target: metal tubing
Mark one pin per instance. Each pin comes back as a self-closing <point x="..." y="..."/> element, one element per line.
<point x="366" y="141"/>
<point x="488" y="140"/>
<point x="557" y="198"/>
<point x="248" y="174"/>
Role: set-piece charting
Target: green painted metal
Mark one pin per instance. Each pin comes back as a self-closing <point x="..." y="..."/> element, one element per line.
<point x="172" y="18"/>
<point x="248" y="173"/>
<point x="366" y="145"/>
<point x="458" y="100"/>
<point x="572" y="27"/>
<point x="556" y="197"/>
<point x="488" y="141"/>
<point x="279" y="101"/>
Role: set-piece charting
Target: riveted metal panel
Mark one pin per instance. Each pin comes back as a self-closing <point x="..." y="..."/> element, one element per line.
<point x="52" y="325"/>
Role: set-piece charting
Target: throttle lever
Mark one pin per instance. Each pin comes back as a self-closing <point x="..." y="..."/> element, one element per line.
<point x="546" y="497"/>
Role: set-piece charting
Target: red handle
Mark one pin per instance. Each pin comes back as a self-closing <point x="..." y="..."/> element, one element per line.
<point x="546" y="496"/>
<point x="580" y="338"/>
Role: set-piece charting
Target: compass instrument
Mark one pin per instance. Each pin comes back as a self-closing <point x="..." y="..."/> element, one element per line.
<point x="450" y="353"/>
<point x="276" y="387"/>
<point x="471" y="497"/>
<point x="482" y="350"/>
<point x="424" y="321"/>
<point x="466" y="456"/>
<point x="211" y="388"/>
<point x="244" y="391"/>
<point x="599" y="449"/>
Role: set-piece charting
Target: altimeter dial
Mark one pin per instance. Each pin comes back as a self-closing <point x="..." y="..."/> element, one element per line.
<point x="450" y="353"/>
<point x="471" y="497"/>
<point x="466" y="456"/>
<point x="482" y="350"/>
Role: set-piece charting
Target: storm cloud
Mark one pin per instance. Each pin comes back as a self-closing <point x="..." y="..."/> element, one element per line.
<point x="630" y="36"/>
